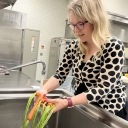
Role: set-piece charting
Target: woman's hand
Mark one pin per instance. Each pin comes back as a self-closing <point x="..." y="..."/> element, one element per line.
<point x="43" y="93"/>
<point x="59" y="103"/>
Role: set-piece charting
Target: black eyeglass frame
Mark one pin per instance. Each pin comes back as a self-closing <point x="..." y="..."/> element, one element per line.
<point x="73" y="28"/>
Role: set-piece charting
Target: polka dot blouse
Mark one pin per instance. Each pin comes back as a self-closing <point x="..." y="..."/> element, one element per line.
<point x="100" y="77"/>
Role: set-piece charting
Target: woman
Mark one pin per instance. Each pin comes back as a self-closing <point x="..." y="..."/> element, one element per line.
<point x="96" y="60"/>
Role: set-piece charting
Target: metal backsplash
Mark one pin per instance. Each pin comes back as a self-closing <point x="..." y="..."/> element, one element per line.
<point x="119" y="18"/>
<point x="12" y="24"/>
<point x="13" y="19"/>
<point x="119" y="30"/>
<point x="10" y="46"/>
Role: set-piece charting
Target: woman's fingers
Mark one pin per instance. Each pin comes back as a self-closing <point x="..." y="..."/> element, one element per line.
<point x="40" y="92"/>
<point x="59" y="103"/>
<point x="51" y="100"/>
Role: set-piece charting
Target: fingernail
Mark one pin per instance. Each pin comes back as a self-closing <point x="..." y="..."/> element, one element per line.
<point x="46" y="100"/>
<point x="44" y="95"/>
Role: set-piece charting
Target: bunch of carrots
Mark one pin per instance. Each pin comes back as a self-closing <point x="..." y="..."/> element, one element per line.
<point x="46" y="111"/>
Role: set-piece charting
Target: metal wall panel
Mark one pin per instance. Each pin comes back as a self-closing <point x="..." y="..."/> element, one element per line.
<point x="12" y="19"/>
<point x="10" y="46"/>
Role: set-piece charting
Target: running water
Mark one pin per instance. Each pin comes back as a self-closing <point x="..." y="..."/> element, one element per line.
<point x="42" y="80"/>
<point x="41" y="83"/>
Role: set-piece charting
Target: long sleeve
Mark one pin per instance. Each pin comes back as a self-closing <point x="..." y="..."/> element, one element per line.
<point x="65" y="64"/>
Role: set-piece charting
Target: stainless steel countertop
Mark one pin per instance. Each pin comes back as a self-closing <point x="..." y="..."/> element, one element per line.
<point x="11" y="86"/>
<point x="93" y="116"/>
<point x="16" y="79"/>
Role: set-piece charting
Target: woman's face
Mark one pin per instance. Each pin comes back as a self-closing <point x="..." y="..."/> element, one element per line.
<point x="86" y="29"/>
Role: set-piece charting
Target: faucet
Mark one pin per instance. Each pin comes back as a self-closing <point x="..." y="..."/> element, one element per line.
<point x="27" y="64"/>
<point x="2" y="68"/>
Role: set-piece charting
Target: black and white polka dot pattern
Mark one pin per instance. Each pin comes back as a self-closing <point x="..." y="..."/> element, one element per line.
<point x="100" y="75"/>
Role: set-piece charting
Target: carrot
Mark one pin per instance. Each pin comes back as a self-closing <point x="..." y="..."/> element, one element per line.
<point x="40" y="97"/>
<point x="30" y="115"/>
<point x="47" y="111"/>
<point x="43" y="100"/>
<point x="50" y="104"/>
<point x="38" y="94"/>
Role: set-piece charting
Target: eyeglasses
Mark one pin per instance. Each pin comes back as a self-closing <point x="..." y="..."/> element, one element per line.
<point x="79" y="25"/>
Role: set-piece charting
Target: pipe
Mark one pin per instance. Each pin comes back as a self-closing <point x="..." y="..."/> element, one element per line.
<point x="28" y="64"/>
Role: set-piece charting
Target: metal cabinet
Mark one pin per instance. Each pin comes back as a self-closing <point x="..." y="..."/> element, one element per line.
<point x="53" y="56"/>
<point x="30" y="51"/>
<point x="57" y="49"/>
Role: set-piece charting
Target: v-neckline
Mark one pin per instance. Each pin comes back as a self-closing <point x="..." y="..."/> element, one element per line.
<point x="90" y="59"/>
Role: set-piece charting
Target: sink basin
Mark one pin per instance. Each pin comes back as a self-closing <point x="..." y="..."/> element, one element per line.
<point x="11" y="111"/>
<point x="12" y="107"/>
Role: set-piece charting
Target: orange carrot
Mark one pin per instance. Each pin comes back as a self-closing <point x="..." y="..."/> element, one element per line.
<point x="30" y="115"/>
<point x="38" y="94"/>
<point x="40" y="97"/>
<point x="43" y="100"/>
<point x="50" y="104"/>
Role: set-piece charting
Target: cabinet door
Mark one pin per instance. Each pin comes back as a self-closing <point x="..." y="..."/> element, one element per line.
<point x="30" y="51"/>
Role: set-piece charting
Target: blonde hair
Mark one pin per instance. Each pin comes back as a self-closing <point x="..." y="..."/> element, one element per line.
<point x="93" y="12"/>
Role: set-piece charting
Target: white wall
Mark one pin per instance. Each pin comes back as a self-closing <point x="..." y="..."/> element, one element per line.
<point x="117" y="6"/>
<point x="48" y="16"/>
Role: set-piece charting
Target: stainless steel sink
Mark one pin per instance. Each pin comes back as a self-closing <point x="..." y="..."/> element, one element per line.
<point x="12" y="106"/>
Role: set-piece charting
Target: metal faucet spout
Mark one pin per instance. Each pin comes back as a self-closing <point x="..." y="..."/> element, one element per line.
<point x="44" y="68"/>
<point x="27" y="64"/>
